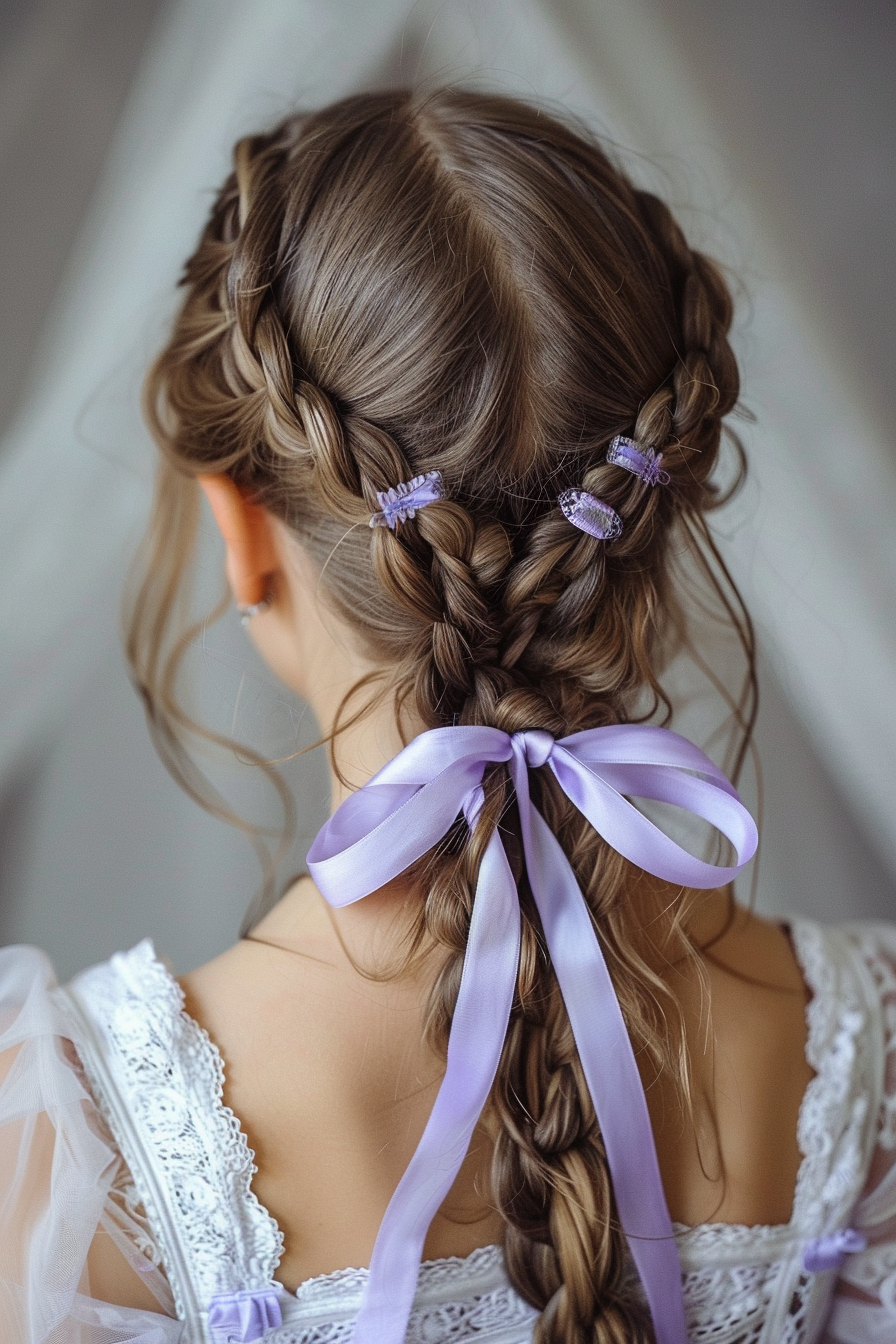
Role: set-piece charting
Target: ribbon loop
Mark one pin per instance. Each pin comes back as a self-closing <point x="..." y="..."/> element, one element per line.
<point x="403" y="812"/>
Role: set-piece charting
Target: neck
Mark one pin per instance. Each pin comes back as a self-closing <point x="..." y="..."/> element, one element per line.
<point x="369" y="932"/>
<point x="360" y="746"/>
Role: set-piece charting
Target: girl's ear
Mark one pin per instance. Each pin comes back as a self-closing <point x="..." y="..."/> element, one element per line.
<point x="248" y="534"/>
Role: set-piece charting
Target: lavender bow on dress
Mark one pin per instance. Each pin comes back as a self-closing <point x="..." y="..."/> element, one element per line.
<point x="239" y="1318"/>
<point x="829" y="1252"/>
<point x="402" y="813"/>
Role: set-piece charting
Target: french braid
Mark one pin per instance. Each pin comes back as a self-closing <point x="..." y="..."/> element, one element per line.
<point x="460" y="282"/>
<point x="551" y="1176"/>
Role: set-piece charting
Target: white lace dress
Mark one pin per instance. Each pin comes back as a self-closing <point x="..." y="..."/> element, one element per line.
<point x="111" y="1117"/>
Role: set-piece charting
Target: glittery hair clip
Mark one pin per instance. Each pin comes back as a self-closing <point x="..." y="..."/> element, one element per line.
<point x="637" y="458"/>
<point x="402" y="501"/>
<point x="590" y="514"/>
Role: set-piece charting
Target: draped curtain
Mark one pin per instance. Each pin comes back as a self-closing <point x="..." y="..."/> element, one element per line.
<point x="100" y="848"/>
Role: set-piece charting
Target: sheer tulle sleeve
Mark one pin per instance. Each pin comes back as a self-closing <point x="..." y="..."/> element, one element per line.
<point x="864" y="1309"/>
<point x="75" y="1262"/>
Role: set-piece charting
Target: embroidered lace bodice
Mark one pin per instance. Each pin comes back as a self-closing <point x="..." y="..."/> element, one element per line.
<point x="172" y="1174"/>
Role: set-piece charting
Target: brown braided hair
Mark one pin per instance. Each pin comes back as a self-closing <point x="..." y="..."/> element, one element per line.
<point x="459" y="281"/>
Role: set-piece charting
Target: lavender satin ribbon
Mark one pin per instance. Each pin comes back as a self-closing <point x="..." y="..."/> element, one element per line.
<point x="396" y="818"/>
<point x="239" y="1318"/>
<point x="829" y="1252"/>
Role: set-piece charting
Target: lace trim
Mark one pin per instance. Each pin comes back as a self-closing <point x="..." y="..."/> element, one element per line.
<point x="496" y="1317"/>
<point x="170" y="1076"/>
<point x="440" y="1281"/>
<point x="737" y="1278"/>
<point x="874" y="1270"/>
<point x="883" y="974"/>
<point x="835" y="1120"/>
<point x="753" y="1304"/>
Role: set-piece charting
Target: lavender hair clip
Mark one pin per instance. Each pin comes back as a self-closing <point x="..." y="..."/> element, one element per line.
<point x="637" y="458"/>
<point x="402" y="501"/>
<point x="590" y="514"/>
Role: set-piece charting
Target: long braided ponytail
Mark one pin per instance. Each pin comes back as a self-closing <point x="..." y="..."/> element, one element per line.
<point x="460" y="282"/>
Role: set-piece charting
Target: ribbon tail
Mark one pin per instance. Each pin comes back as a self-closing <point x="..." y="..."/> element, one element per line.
<point x="609" y="1066"/>
<point x="475" y="1043"/>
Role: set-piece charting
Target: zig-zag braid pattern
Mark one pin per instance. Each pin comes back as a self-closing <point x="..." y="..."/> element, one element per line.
<point x="462" y="283"/>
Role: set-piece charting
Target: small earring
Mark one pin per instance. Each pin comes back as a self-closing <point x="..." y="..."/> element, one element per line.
<point x="254" y="609"/>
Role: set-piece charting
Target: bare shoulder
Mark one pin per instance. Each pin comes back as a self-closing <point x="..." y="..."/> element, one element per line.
<point x="747" y="1045"/>
<point x="759" y="950"/>
<point x="333" y="1081"/>
<point x="758" y="1004"/>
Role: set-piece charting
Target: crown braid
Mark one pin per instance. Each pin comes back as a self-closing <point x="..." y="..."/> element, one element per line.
<point x="462" y="283"/>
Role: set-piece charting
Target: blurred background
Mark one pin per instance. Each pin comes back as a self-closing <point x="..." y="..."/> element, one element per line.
<point x="770" y="128"/>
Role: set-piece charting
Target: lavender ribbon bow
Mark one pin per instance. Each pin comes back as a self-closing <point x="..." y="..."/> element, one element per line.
<point x="396" y="818"/>
<point x="239" y="1318"/>
<point x="829" y="1252"/>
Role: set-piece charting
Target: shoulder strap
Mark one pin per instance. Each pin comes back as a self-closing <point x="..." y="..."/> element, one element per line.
<point x="838" y="1119"/>
<point x="158" y="1079"/>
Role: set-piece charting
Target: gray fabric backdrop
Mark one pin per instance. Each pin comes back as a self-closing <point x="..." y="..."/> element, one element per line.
<point x="770" y="127"/>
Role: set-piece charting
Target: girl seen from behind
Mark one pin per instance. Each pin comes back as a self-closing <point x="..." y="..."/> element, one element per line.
<point x="454" y="389"/>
